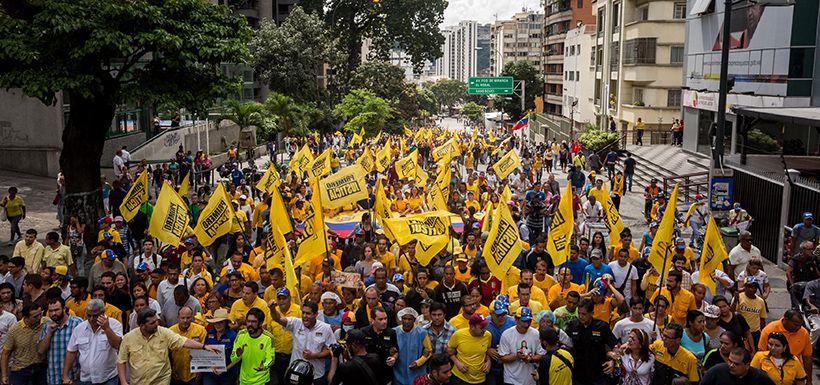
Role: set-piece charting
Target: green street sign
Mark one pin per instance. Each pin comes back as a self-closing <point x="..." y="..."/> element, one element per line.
<point x="502" y="85"/>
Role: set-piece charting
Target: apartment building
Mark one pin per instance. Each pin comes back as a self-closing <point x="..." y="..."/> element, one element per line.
<point x="578" y="77"/>
<point x="560" y="16"/>
<point x="639" y="54"/>
<point x="460" y="59"/>
<point x="520" y="38"/>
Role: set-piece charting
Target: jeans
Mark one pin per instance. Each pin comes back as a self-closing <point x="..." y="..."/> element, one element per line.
<point x="494" y="378"/>
<point x="113" y="381"/>
<point x="34" y="375"/>
<point x="280" y="366"/>
<point x="453" y="381"/>
<point x="639" y="137"/>
<point x="179" y="382"/>
<point x="629" y="181"/>
<point x="15" y="227"/>
<point x="695" y="232"/>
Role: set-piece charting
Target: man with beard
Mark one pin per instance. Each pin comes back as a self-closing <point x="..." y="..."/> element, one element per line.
<point x="54" y="337"/>
<point x="254" y="348"/>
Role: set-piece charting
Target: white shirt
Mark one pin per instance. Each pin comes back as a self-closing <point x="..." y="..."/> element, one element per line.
<point x="719" y="287"/>
<point x="620" y="274"/>
<point x="165" y="290"/>
<point x="149" y="260"/>
<point x="519" y="372"/>
<point x="642" y="369"/>
<point x="311" y="339"/>
<point x="6" y="320"/>
<point x="118" y="164"/>
<point x="126" y="156"/>
<point x="626" y="325"/>
<point x="98" y="360"/>
<point x="739" y="257"/>
<point x="593" y="212"/>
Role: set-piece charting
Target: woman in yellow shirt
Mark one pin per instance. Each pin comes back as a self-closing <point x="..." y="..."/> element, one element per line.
<point x="399" y="203"/>
<point x="414" y="201"/>
<point x="778" y="362"/>
<point x="200" y="290"/>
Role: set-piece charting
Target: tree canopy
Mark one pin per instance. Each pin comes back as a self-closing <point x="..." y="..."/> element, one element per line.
<point x="362" y="108"/>
<point x="384" y="79"/>
<point x="449" y="92"/>
<point x="521" y="70"/>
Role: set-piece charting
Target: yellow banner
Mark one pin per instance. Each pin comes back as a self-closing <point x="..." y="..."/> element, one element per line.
<point x="137" y="195"/>
<point x="448" y="148"/>
<point x="274" y="252"/>
<point x="425" y="252"/>
<point x="502" y="145"/>
<point x="356" y="139"/>
<point x="183" y="185"/>
<point x="491" y="137"/>
<point x="321" y="165"/>
<point x="421" y="177"/>
<point x="431" y="227"/>
<point x="663" y="245"/>
<point x="378" y="137"/>
<point x="361" y="132"/>
<point x="407" y="132"/>
<point x="278" y="212"/>
<point x="345" y="186"/>
<point x="382" y="209"/>
<point x="170" y="217"/>
<point x="367" y="161"/>
<point x="560" y="235"/>
<point x="383" y="158"/>
<point x="506" y="195"/>
<point x="215" y="219"/>
<point x="612" y="220"/>
<point x="313" y="241"/>
<point x="714" y="253"/>
<point x="406" y="167"/>
<point x="439" y="192"/>
<point x="506" y="165"/>
<point x="301" y="161"/>
<point x="419" y="137"/>
<point x="270" y="181"/>
<point x="402" y="146"/>
<point x="503" y="243"/>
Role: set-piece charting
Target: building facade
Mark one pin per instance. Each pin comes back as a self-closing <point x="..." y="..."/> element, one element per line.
<point x="578" y="77"/>
<point x="639" y="50"/>
<point x="560" y="16"/>
<point x="460" y="59"/>
<point x="520" y="38"/>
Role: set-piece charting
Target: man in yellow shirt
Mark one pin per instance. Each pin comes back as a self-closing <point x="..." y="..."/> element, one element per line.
<point x="249" y="300"/>
<point x="524" y="300"/>
<point x="384" y="255"/>
<point x="675" y="359"/>
<point x="247" y="271"/>
<point x="468" y="350"/>
<point x="681" y="300"/>
<point x="526" y="277"/>
<point x="79" y="296"/>
<point x="181" y="358"/>
<point x="557" y="295"/>
<point x="31" y="250"/>
<point x="468" y="308"/>
<point x="58" y="254"/>
<point x="258" y="219"/>
<point x="105" y="227"/>
<point x="541" y="279"/>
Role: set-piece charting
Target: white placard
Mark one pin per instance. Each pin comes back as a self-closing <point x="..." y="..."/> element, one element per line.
<point x="203" y="361"/>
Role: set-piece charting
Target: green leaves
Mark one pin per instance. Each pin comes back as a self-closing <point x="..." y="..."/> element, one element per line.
<point x="449" y="92"/>
<point x="472" y="111"/>
<point x="362" y="108"/>
<point x="521" y="70"/>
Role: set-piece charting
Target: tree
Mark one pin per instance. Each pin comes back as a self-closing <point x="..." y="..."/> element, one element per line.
<point x="427" y="101"/>
<point x="289" y="57"/>
<point x="382" y="78"/>
<point x="472" y="111"/>
<point x="292" y="116"/>
<point x="520" y="70"/>
<point x="247" y="115"/>
<point x="449" y="92"/>
<point x="101" y="54"/>
<point x="409" y="25"/>
<point x="362" y="108"/>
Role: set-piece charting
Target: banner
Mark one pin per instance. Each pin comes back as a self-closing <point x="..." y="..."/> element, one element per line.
<point x="406" y="167"/>
<point x="713" y="255"/>
<point x="506" y="195"/>
<point x="506" y="165"/>
<point x="502" y="145"/>
<point x="137" y="195"/>
<point x="448" y="148"/>
<point x="321" y="165"/>
<point x="421" y="177"/>
<point x="407" y="132"/>
<point x="430" y="227"/>
<point x="425" y="252"/>
<point x="183" y="185"/>
<point x="367" y="161"/>
<point x="356" y="139"/>
<point x="301" y="161"/>
<point x="663" y="245"/>
<point x="504" y="242"/>
<point x="278" y="212"/>
<point x="560" y="235"/>
<point x="270" y="181"/>
<point x="215" y="219"/>
<point x="383" y="158"/>
<point x="313" y="241"/>
<point x="170" y="217"/>
<point x="274" y="252"/>
<point x="381" y="209"/>
<point x="612" y="220"/>
<point x="345" y="186"/>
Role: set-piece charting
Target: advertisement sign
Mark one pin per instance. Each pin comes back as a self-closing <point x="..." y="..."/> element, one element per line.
<point x="720" y="196"/>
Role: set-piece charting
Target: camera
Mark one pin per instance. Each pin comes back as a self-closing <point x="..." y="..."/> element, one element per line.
<point x="336" y="350"/>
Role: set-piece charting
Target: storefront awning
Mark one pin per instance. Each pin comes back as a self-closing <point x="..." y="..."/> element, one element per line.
<point x="701" y="6"/>
<point x="807" y="116"/>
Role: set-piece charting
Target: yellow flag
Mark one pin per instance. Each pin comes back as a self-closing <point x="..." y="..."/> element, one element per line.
<point x="137" y="195"/>
<point x="278" y="212"/>
<point x="361" y="132"/>
<point x="436" y="199"/>
<point x="419" y="137"/>
<point x="345" y="186"/>
<point x="270" y="181"/>
<point x="382" y="209"/>
<point x="321" y="165"/>
<point x="491" y="137"/>
<point x="560" y="235"/>
<point x="506" y="165"/>
<point x="421" y="177"/>
<point x="448" y="148"/>
<point x="473" y="137"/>
<point x="407" y="132"/>
<point x="170" y="217"/>
<point x="714" y="253"/>
<point x="383" y="158"/>
<point x="612" y="220"/>
<point x="425" y="252"/>
<point x="356" y="139"/>
<point x="488" y="216"/>
<point x="406" y="167"/>
<point x="506" y="195"/>
<point x="432" y="228"/>
<point x="301" y="161"/>
<point x="215" y="219"/>
<point x="663" y="245"/>
<point x="378" y="137"/>
<point x="367" y="161"/>
<point x="274" y="252"/>
<point x="503" y="243"/>
<point x="402" y="146"/>
<point x="502" y="145"/>
<point x="313" y="241"/>
<point x="183" y="185"/>
<point x="291" y="280"/>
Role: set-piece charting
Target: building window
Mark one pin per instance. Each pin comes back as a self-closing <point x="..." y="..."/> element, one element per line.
<point x="572" y="50"/>
<point x="572" y="75"/>
<point x="673" y="98"/>
<point x="637" y="95"/>
<point x="640" y="51"/>
<point x="580" y="4"/>
<point x="680" y="11"/>
<point x="592" y="55"/>
<point x="643" y="13"/>
<point x="578" y="75"/>
<point x="616" y="18"/>
<point x="566" y="75"/>
<point x="615" y="55"/>
<point x="676" y="55"/>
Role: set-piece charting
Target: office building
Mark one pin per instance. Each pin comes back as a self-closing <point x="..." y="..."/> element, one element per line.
<point x="519" y="38"/>
<point x="460" y="58"/>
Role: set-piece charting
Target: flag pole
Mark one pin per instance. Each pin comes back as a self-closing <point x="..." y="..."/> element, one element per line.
<point x="660" y="288"/>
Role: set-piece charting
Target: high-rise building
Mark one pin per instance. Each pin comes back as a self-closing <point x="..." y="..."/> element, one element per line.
<point x="483" y="47"/>
<point x="460" y="59"/>
<point x="578" y="77"/>
<point x="639" y="62"/>
<point x="519" y="38"/>
<point x="560" y="16"/>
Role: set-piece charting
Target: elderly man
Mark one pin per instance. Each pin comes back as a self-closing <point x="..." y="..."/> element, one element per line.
<point x="145" y="350"/>
<point x="181" y="358"/>
<point x="98" y="361"/>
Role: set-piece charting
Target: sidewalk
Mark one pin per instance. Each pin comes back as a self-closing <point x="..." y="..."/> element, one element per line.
<point x="38" y="193"/>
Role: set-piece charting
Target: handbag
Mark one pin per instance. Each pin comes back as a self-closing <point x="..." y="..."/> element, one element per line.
<point x="56" y="199"/>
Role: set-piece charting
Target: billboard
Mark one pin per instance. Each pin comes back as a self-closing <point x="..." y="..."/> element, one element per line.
<point x="760" y="49"/>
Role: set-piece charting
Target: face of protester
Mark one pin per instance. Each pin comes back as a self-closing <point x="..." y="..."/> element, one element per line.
<point x="120" y="282"/>
<point x="737" y="367"/>
<point x="776" y="347"/>
<point x="699" y="324"/>
<point x="670" y="340"/>
<point x="236" y="261"/>
<point x="380" y="278"/>
<point x="201" y="287"/>
<point x="526" y="278"/>
<point x="469" y="306"/>
<point x="30" y="238"/>
<point x="98" y="294"/>
<point x="181" y="298"/>
<point x="421" y="277"/>
<point x="184" y="318"/>
<point x="252" y="324"/>
<point x="329" y="304"/>
<point x="234" y="282"/>
<point x="32" y="319"/>
<point x="150" y="326"/>
<point x="148" y="248"/>
<point x="248" y="296"/>
<point x="55" y="312"/>
<point x="477" y="330"/>
<point x="437" y="318"/>
<point x="524" y="295"/>
<point x="372" y="298"/>
<point x="449" y="276"/>
<point x="584" y="316"/>
<point x="793" y="324"/>
<point x="212" y="303"/>
<point x="672" y="284"/>
<point x="382" y="245"/>
<point x="309" y="317"/>
<point x="139" y="304"/>
<point x="108" y="283"/>
<point x="637" y="310"/>
<point x="197" y="262"/>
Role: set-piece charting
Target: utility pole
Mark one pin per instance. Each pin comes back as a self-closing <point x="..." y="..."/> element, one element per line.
<point x="720" y="131"/>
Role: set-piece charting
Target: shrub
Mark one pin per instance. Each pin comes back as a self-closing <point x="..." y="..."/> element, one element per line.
<point x="594" y="139"/>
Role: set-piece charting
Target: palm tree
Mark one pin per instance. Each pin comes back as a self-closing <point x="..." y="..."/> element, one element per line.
<point x="290" y="115"/>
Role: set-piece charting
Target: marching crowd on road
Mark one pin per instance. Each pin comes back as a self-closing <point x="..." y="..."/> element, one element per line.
<point x="466" y="263"/>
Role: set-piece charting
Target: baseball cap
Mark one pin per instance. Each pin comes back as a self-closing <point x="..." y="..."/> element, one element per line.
<point x="110" y="254"/>
<point x="808" y="215"/>
<point x="477" y="319"/>
<point x="143" y="267"/>
<point x="596" y="253"/>
<point x="499" y="307"/>
<point x="524" y="313"/>
<point x="190" y="241"/>
<point x="283" y="292"/>
<point x="107" y="236"/>
<point x="105" y="221"/>
<point x="118" y="219"/>
<point x="504" y="299"/>
<point x="61" y="270"/>
<point x="680" y="243"/>
<point x="711" y="311"/>
<point x="752" y="281"/>
<point x="398" y="277"/>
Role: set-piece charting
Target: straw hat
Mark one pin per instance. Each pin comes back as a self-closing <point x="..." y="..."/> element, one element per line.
<point x="219" y="316"/>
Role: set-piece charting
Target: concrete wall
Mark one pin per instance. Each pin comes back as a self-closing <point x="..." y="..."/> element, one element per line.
<point x="30" y="134"/>
<point x="165" y="145"/>
<point x="111" y="146"/>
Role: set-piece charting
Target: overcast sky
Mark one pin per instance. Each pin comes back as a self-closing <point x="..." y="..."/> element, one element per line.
<point x="485" y="11"/>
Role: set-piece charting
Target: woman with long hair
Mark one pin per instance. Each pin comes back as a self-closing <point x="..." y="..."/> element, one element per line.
<point x="598" y="242"/>
<point x="9" y="301"/>
<point x="779" y="363"/>
<point x="200" y="289"/>
<point x="234" y="291"/>
<point x="138" y="289"/>
<point x="636" y="362"/>
<point x="364" y="267"/>
<point x="121" y="282"/>
<point x="728" y="342"/>
<point x="140" y="303"/>
<point x="694" y="339"/>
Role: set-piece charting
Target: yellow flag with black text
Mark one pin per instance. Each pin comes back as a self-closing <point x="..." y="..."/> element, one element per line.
<point x="169" y="221"/>
<point x="270" y="181"/>
<point x="313" y="241"/>
<point x="506" y="165"/>
<point x="383" y="158"/>
<point x="321" y="165"/>
<point x="561" y="228"/>
<point x="345" y="186"/>
<point x="503" y="243"/>
<point x="367" y="161"/>
<point x="136" y="196"/>
<point x="381" y="209"/>
<point x="301" y="161"/>
<point x="663" y="244"/>
<point x="406" y="167"/>
<point x="449" y="148"/>
<point x="215" y="219"/>
<point x="431" y="227"/>
<point x="713" y="255"/>
<point x="421" y="177"/>
<point x="425" y="252"/>
<point x="356" y="139"/>
<point x="506" y="194"/>
<point x="183" y="185"/>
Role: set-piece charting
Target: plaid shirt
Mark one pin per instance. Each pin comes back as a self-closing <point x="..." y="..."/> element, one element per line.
<point x="439" y="341"/>
<point x="57" y="349"/>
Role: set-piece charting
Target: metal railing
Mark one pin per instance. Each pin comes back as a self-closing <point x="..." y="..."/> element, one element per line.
<point x="689" y="185"/>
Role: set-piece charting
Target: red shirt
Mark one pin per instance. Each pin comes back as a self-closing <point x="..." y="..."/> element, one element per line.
<point x="489" y="289"/>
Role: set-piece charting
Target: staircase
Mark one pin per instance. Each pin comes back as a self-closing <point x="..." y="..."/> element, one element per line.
<point x="669" y="165"/>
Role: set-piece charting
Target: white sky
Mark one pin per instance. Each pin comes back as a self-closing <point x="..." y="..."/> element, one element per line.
<point x="485" y="11"/>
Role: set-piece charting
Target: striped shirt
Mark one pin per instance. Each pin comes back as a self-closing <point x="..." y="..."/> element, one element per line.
<point x="439" y="341"/>
<point x="57" y="349"/>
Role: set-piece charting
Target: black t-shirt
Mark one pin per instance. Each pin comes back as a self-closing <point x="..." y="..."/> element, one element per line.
<point x="350" y="372"/>
<point x="533" y="257"/>
<point x="629" y="166"/>
<point x="381" y="345"/>
<point x="719" y="375"/>
<point x="120" y="299"/>
<point x="590" y="345"/>
<point x="736" y="325"/>
<point x="451" y="298"/>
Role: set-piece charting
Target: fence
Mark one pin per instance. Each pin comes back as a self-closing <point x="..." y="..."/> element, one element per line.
<point x="762" y="199"/>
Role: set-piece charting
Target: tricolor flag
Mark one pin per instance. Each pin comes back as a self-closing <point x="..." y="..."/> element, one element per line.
<point x="522" y="123"/>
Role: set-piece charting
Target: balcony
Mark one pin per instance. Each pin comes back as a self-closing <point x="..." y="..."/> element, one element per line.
<point x="554" y="77"/>
<point x="663" y="75"/>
